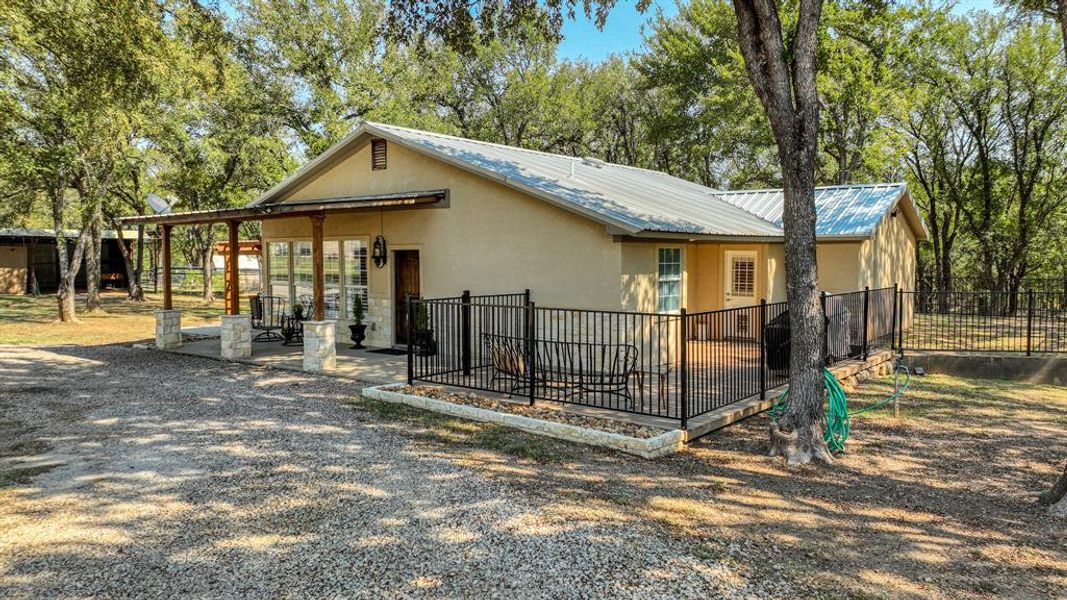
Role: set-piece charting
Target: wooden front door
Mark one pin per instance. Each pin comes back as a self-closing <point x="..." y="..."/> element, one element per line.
<point x="406" y="281"/>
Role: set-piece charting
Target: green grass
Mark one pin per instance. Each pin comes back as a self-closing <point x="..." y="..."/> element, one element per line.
<point x="29" y="320"/>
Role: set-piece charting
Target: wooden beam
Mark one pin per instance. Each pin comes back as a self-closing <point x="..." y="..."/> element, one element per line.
<point x="168" y="303"/>
<point x="233" y="292"/>
<point x="318" y="277"/>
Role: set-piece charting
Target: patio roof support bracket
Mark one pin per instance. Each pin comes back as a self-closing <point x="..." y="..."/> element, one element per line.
<point x="318" y="279"/>
<point x="233" y="292"/>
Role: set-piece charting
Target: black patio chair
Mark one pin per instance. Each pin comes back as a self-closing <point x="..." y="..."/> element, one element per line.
<point x="267" y="314"/>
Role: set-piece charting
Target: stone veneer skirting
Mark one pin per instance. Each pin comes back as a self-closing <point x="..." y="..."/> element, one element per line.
<point x="236" y="336"/>
<point x="665" y="443"/>
<point x="320" y="354"/>
<point x="168" y="329"/>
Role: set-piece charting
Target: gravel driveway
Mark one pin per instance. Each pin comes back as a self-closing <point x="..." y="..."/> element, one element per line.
<point x="136" y="473"/>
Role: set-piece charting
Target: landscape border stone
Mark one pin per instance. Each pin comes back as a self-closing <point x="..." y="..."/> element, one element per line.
<point x="663" y="444"/>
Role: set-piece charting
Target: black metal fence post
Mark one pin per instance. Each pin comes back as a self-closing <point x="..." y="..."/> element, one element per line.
<point x="762" y="349"/>
<point x="825" y="330"/>
<point x="465" y="329"/>
<point x="683" y="375"/>
<point x="1029" y="320"/>
<point x="866" y="317"/>
<point x="530" y="324"/>
<point x="409" y="334"/>
<point x="893" y="325"/>
<point x="900" y="323"/>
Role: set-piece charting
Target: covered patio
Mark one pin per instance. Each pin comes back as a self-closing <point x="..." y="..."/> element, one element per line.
<point x="237" y="330"/>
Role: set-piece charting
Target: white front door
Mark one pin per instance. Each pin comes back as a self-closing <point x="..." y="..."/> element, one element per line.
<point x="740" y="290"/>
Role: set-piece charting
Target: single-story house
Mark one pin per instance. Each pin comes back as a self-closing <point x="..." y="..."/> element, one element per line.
<point x="400" y="211"/>
<point x="580" y="232"/>
<point x="28" y="258"/>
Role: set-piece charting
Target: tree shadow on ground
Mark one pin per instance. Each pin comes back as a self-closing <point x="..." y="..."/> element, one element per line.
<point x="181" y="475"/>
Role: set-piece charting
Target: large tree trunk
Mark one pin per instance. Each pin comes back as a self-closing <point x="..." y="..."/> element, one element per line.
<point x="92" y="262"/>
<point x="1061" y="14"/>
<point x="133" y="274"/>
<point x="207" y="252"/>
<point x="1056" y="498"/>
<point x="68" y="267"/>
<point x="784" y="81"/>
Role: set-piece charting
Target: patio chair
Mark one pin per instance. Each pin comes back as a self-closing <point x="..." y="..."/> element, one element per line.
<point x="307" y="302"/>
<point x="267" y="314"/>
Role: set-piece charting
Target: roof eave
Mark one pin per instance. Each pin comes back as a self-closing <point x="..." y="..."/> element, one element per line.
<point x="501" y="179"/>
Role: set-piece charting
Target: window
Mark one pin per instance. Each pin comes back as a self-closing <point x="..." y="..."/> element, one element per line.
<point x="355" y="275"/>
<point x="743" y="276"/>
<point x="331" y="274"/>
<point x="669" y="281"/>
<point x="302" y="273"/>
<point x="278" y="265"/>
<point x="377" y="155"/>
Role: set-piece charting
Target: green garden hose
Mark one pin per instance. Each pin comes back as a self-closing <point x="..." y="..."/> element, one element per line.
<point x="838" y="419"/>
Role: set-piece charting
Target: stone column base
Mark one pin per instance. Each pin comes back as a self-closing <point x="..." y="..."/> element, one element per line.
<point x="236" y="336"/>
<point x="320" y="353"/>
<point x="168" y="329"/>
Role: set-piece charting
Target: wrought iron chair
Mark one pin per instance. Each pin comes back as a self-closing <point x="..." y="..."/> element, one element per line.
<point x="308" y="303"/>
<point x="267" y="314"/>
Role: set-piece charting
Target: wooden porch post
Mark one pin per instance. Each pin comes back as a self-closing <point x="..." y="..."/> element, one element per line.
<point x="318" y="279"/>
<point x="233" y="292"/>
<point x="167" y="301"/>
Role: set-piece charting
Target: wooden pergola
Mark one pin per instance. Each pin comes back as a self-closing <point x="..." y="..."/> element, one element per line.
<point x="316" y="211"/>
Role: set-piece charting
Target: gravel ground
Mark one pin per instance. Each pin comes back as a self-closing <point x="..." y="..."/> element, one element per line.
<point x="132" y="473"/>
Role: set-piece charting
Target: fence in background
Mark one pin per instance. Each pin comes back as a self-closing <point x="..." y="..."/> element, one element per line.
<point x="191" y="280"/>
<point x="673" y="366"/>
<point x="985" y="321"/>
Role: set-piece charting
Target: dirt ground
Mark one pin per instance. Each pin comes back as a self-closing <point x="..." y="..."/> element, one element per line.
<point x="115" y="485"/>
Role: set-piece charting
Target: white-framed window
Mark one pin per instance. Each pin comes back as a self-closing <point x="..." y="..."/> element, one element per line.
<point x="291" y="273"/>
<point x="669" y="280"/>
<point x="355" y="274"/>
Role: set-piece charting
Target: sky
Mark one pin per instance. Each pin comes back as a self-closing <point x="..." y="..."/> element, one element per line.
<point x="622" y="32"/>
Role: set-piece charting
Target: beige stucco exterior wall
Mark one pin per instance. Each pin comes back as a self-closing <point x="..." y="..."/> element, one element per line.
<point x="703" y="278"/>
<point x="490" y="239"/>
<point x="889" y="256"/>
<point x="13" y="270"/>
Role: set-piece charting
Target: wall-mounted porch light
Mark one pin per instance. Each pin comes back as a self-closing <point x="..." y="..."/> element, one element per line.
<point x="379" y="252"/>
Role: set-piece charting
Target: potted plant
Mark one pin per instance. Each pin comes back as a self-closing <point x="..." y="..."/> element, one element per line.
<point x="424" y="343"/>
<point x="358" y="328"/>
<point x="298" y="312"/>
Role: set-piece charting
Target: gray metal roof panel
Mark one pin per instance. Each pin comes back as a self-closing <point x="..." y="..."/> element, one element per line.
<point x="845" y="210"/>
<point x="642" y="199"/>
<point x="633" y="199"/>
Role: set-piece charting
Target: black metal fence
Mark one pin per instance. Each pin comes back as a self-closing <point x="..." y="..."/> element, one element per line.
<point x="673" y="366"/>
<point x="985" y="321"/>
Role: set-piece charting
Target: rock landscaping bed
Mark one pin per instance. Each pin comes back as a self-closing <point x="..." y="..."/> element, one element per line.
<point x="660" y="444"/>
<point x="547" y="413"/>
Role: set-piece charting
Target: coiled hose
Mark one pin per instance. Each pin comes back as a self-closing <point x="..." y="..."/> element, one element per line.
<point x="838" y="418"/>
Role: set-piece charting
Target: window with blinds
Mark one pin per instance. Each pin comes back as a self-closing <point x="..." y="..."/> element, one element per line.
<point x="377" y="155"/>
<point x="743" y="276"/>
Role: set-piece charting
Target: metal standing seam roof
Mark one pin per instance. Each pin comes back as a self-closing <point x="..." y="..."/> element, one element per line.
<point x="633" y="200"/>
<point x="844" y="210"/>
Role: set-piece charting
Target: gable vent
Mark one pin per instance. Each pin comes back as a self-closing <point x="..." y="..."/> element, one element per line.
<point x="377" y="155"/>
